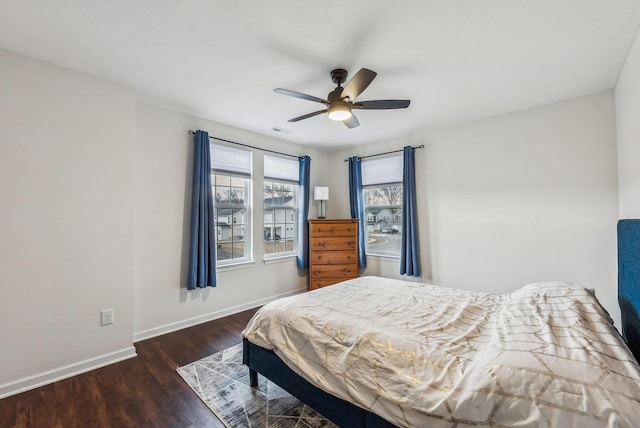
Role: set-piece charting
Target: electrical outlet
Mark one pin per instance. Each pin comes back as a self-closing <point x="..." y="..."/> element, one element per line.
<point x="107" y="317"/>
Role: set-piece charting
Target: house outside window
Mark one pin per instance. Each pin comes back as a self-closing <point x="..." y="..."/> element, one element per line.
<point x="382" y="191"/>
<point x="280" y="206"/>
<point x="231" y="181"/>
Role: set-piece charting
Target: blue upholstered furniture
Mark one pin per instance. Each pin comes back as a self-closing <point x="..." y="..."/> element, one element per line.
<point x="629" y="282"/>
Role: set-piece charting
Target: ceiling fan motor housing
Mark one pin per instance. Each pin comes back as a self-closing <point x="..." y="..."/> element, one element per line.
<point x="339" y="108"/>
<point x="335" y="95"/>
<point x="339" y="76"/>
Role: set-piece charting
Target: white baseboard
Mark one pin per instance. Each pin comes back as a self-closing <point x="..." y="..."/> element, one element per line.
<point x="179" y="325"/>
<point x="50" y="376"/>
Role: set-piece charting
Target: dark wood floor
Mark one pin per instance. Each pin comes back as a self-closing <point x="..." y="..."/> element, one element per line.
<point x="145" y="391"/>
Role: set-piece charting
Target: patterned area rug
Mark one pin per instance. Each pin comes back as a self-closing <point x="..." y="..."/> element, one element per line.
<point x="222" y="382"/>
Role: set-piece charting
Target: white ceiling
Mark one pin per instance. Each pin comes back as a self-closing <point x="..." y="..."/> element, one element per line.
<point x="457" y="60"/>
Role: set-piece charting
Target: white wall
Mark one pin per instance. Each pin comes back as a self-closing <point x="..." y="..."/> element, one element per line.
<point x="162" y="197"/>
<point x="94" y="215"/>
<point x="95" y="190"/>
<point x="524" y="197"/>
<point x="627" y="95"/>
<point x="66" y="224"/>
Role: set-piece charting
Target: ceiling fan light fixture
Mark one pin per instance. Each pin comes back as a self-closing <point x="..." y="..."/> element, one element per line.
<point x="339" y="111"/>
<point x="341" y="101"/>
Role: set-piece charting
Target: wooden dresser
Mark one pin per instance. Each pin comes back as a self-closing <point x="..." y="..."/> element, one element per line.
<point x="333" y="251"/>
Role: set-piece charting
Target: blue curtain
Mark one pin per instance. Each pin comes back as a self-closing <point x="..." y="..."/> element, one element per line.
<point x="202" y="248"/>
<point x="356" y="201"/>
<point x="409" y="255"/>
<point x="303" y="213"/>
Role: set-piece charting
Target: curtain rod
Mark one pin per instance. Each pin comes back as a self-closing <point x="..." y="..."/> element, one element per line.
<point x="421" y="146"/>
<point x="251" y="147"/>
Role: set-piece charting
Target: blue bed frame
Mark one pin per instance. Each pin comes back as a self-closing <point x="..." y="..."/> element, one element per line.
<point x="341" y="412"/>
<point x="345" y="414"/>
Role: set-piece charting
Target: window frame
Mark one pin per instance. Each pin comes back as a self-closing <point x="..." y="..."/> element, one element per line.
<point x="280" y="170"/>
<point x="394" y="218"/>
<point x="233" y="207"/>
<point x="294" y="209"/>
<point x="226" y="167"/>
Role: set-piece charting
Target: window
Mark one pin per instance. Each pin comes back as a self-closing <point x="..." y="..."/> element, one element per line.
<point x="382" y="188"/>
<point x="231" y="181"/>
<point x="280" y="206"/>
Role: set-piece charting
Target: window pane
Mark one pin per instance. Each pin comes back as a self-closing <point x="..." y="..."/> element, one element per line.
<point x="231" y="218"/>
<point x="238" y="250"/>
<point x="236" y="195"/>
<point x="268" y="200"/>
<point x="270" y="247"/>
<point x="239" y="216"/>
<point x="221" y="194"/>
<point x="386" y="196"/>
<point x="236" y="182"/>
<point x="278" y="193"/>
<point x="223" y="234"/>
<point x="290" y="232"/>
<point x="279" y="231"/>
<point x="289" y="245"/>
<point x="222" y="180"/>
<point x="383" y="211"/>
<point x="280" y="218"/>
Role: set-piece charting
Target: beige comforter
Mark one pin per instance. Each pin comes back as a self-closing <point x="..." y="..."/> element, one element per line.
<point x="546" y="355"/>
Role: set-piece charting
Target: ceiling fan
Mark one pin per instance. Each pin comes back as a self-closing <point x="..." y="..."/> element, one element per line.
<point x="341" y="101"/>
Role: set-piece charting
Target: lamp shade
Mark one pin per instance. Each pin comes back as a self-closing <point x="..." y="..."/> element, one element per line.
<point x="321" y="193"/>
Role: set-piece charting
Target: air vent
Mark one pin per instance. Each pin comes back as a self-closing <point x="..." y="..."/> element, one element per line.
<point x="284" y="131"/>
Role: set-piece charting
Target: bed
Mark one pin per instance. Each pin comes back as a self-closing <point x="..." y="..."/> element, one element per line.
<point x="374" y="352"/>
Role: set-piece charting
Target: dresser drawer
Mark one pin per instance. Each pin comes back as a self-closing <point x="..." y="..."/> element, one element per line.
<point x="333" y="257"/>
<point x="334" y="271"/>
<point x="334" y="243"/>
<point x="334" y="229"/>
<point x="323" y="282"/>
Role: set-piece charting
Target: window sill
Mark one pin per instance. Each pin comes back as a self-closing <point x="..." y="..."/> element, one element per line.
<point x="280" y="259"/>
<point x="235" y="266"/>
<point x="384" y="257"/>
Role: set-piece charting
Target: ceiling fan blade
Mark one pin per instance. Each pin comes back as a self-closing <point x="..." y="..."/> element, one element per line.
<point x="307" y="116"/>
<point x="358" y="83"/>
<point x="381" y="104"/>
<point x="300" y="95"/>
<point x="352" y="122"/>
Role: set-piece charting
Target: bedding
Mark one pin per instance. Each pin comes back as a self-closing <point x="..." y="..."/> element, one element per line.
<point x="422" y="355"/>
